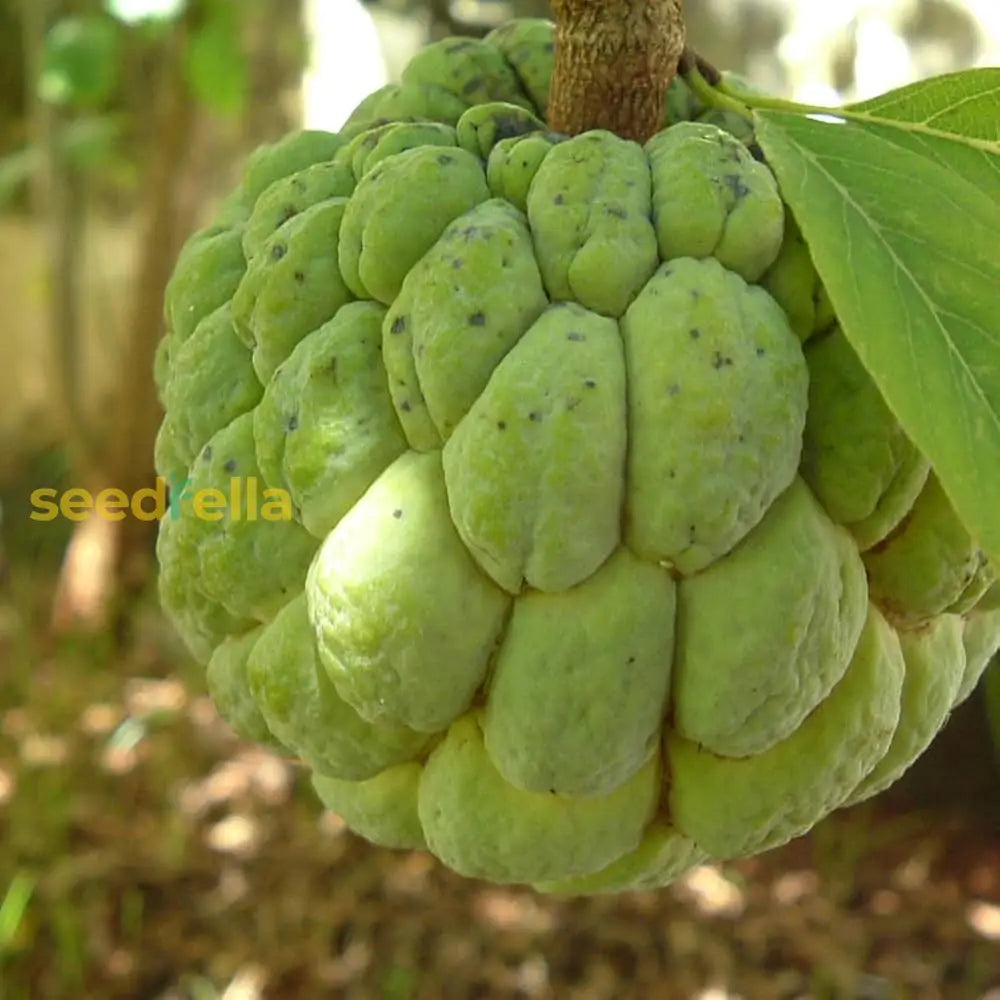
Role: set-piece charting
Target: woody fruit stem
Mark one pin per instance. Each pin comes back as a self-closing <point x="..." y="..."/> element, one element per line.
<point x="614" y="60"/>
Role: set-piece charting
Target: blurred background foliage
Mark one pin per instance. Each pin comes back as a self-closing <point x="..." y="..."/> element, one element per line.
<point x="122" y="124"/>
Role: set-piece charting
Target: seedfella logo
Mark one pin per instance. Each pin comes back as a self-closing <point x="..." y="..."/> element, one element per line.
<point x="246" y="500"/>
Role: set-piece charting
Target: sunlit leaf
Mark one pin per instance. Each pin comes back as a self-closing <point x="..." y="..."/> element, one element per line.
<point x="901" y="209"/>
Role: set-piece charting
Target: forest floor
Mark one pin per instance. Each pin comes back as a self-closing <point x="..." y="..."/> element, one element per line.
<point x="146" y="854"/>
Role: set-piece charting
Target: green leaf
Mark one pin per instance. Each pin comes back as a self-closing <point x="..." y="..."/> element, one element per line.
<point x="899" y="201"/>
<point x="216" y="64"/>
<point x="80" y="62"/>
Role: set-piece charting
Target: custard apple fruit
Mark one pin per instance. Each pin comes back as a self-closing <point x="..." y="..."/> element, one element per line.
<point x="525" y="487"/>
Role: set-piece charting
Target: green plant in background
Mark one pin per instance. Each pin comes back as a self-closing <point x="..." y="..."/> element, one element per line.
<point x="641" y="467"/>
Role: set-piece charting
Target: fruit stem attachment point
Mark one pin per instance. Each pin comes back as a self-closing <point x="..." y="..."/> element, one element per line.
<point x="614" y="60"/>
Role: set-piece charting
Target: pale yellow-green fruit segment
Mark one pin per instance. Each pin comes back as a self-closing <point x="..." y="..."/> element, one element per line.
<point x="484" y="125"/>
<point x="291" y="195"/>
<point x="405" y="620"/>
<point x="513" y="163"/>
<point x="302" y="708"/>
<point x="398" y="211"/>
<point x="710" y="197"/>
<point x="292" y="286"/>
<point x="528" y="44"/>
<point x="464" y="305"/>
<point x="935" y="664"/>
<point x="578" y="688"/>
<point x="211" y="383"/>
<point x="481" y="826"/>
<point x="764" y="633"/>
<point x="589" y="208"/>
<point x="795" y="284"/>
<point x="226" y="679"/>
<point x="929" y="564"/>
<point x="470" y="68"/>
<point x="246" y="551"/>
<point x="663" y="856"/>
<point x="382" y="809"/>
<point x="861" y="466"/>
<point x="535" y="469"/>
<point x="981" y="639"/>
<point x="381" y="141"/>
<point x="208" y="271"/>
<point x="738" y="807"/>
<point x="717" y="391"/>
<point x="326" y="428"/>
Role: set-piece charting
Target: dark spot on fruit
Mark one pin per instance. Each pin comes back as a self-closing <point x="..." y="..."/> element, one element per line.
<point x="575" y="336"/>
<point x="229" y="465"/>
<point x="572" y="403"/>
<point x="695" y="294"/>
<point x="694" y="333"/>
<point x="397" y="513"/>
<point x="692" y="532"/>
<point x="590" y="383"/>
<point x="299" y="276"/>
<point x="549" y="47"/>
<point x="278" y="251"/>
<point x="559" y="199"/>
<point x="737" y="185"/>
<point x="673" y="389"/>
<point x="398" y="325"/>
<point x="631" y="659"/>
<point x="761" y="352"/>
<point x="477" y="319"/>
<point x="457" y="263"/>
<point x="444" y="159"/>
<point x="299" y="184"/>
<point x="288" y="212"/>
<point x="719" y="360"/>
<point x="534" y="416"/>
<point x="474" y="84"/>
<point x="617" y="211"/>
<point x="207" y="453"/>
<point x="672" y="473"/>
<point x="293" y="423"/>
<point x="405" y="406"/>
<point x="501" y="425"/>
<point x="509" y="126"/>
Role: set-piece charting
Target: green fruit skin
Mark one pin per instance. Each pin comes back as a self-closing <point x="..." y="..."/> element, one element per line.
<point x="455" y="319"/>
<point x="382" y="809"/>
<point x="663" y="856"/>
<point x="935" y="664"/>
<point x="301" y="707"/>
<point x="292" y="286"/>
<point x="712" y="359"/>
<point x="380" y="238"/>
<point x="226" y="677"/>
<point x="777" y="620"/>
<point x="712" y="198"/>
<point x="513" y="164"/>
<point x="534" y="470"/>
<point x="735" y="808"/>
<point x="378" y="143"/>
<point x="528" y="44"/>
<point x="579" y="685"/>
<point x="483" y="827"/>
<point x="589" y="208"/>
<point x="855" y="456"/>
<point x="401" y="645"/>
<point x="929" y="564"/>
<point x="325" y="428"/>
<point x="483" y="126"/>
<point x="291" y="195"/>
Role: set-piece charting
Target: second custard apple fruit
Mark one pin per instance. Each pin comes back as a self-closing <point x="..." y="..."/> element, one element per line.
<point x="526" y="489"/>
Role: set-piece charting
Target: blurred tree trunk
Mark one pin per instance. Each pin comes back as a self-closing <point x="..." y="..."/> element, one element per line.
<point x="106" y="559"/>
